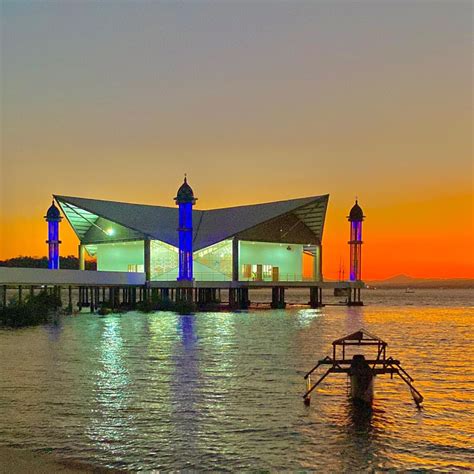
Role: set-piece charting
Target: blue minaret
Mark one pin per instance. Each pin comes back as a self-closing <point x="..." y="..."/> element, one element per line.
<point x="53" y="218"/>
<point x="185" y="200"/>
<point x="356" y="216"/>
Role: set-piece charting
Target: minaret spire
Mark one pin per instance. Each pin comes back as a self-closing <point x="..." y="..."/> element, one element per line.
<point x="53" y="218"/>
<point x="185" y="200"/>
<point x="356" y="216"/>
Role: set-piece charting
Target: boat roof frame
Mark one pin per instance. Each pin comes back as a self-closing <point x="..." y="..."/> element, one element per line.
<point x="357" y="339"/>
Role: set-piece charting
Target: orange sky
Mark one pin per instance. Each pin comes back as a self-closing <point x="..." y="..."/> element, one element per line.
<point x="256" y="104"/>
<point x="438" y="244"/>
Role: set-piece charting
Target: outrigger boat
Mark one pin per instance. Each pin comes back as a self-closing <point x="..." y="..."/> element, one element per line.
<point x="360" y="370"/>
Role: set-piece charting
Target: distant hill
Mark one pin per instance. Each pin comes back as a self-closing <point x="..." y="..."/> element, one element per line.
<point x="404" y="281"/>
<point x="399" y="279"/>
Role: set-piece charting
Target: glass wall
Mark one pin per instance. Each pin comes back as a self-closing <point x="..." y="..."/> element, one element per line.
<point x="163" y="261"/>
<point x="214" y="263"/>
<point x="258" y="261"/>
<point x="264" y="261"/>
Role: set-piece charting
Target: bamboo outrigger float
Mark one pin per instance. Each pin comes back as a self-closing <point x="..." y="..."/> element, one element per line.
<point x="360" y="370"/>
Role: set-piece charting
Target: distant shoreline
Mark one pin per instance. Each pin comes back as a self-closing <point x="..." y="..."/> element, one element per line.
<point x="425" y="285"/>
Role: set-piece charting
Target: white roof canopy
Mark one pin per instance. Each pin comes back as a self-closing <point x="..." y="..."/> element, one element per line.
<point x="295" y="220"/>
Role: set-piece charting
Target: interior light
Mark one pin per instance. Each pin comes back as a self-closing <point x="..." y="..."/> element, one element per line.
<point x="110" y="231"/>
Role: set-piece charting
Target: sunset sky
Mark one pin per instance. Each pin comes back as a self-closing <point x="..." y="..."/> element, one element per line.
<point x="255" y="101"/>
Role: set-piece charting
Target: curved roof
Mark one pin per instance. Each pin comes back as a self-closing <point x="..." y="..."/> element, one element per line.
<point x="92" y="219"/>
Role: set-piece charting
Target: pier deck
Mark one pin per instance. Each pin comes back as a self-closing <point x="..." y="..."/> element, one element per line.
<point x="138" y="288"/>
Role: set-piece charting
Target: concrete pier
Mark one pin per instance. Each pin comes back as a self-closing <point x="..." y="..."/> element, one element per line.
<point x="278" y="297"/>
<point x="91" y="289"/>
<point x="354" y="298"/>
<point x="316" y="297"/>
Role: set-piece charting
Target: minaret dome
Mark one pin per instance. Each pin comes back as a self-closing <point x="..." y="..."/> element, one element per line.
<point x="185" y="194"/>
<point x="356" y="213"/>
<point x="53" y="213"/>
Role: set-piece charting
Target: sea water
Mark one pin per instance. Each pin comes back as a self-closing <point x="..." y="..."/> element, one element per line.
<point x="223" y="391"/>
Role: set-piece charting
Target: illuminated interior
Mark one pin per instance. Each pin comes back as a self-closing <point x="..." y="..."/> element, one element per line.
<point x="264" y="261"/>
<point x="120" y="256"/>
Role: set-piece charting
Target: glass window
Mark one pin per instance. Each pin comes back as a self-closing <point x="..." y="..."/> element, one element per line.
<point x="216" y="260"/>
<point x="163" y="261"/>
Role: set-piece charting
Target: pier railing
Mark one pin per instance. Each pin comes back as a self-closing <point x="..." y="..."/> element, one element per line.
<point x="216" y="276"/>
<point x="42" y="276"/>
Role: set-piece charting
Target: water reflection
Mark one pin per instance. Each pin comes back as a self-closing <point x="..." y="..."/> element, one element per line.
<point x="185" y="392"/>
<point x="109" y="418"/>
<point x="186" y="326"/>
<point x="306" y="316"/>
<point x="54" y="329"/>
<point x="223" y="391"/>
<point x="359" y="417"/>
<point x="354" y="319"/>
<point x="359" y="443"/>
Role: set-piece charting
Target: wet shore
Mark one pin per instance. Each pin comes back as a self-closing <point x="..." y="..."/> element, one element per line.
<point x="19" y="461"/>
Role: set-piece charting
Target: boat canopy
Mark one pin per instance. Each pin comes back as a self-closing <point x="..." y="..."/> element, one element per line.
<point x="362" y="337"/>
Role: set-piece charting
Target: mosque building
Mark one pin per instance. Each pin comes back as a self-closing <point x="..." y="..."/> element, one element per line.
<point x="275" y="241"/>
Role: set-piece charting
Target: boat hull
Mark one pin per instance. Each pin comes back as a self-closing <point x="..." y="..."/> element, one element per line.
<point x="362" y="380"/>
<point x="361" y="391"/>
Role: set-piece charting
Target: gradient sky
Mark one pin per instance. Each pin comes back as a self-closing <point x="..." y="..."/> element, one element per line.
<point x="256" y="101"/>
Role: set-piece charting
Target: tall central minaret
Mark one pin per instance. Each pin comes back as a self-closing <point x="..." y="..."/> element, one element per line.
<point x="356" y="216"/>
<point x="185" y="200"/>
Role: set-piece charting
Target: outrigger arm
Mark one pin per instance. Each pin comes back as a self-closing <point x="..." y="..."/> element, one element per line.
<point x="405" y="376"/>
<point x="310" y="388"/>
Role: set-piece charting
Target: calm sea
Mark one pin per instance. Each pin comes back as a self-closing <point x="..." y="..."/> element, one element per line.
<point x="223" y="391"/>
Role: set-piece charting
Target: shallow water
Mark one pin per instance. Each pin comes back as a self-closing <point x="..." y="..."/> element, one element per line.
<point x="223" y="391"/>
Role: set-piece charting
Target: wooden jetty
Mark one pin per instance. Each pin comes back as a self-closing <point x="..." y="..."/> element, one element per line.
<point x="361" y="371"/>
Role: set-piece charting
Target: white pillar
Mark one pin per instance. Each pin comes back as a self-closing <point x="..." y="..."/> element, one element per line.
<point x="147" y="259"/>
<point x="82" y="257"/>
<point x="318" y="264"/>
